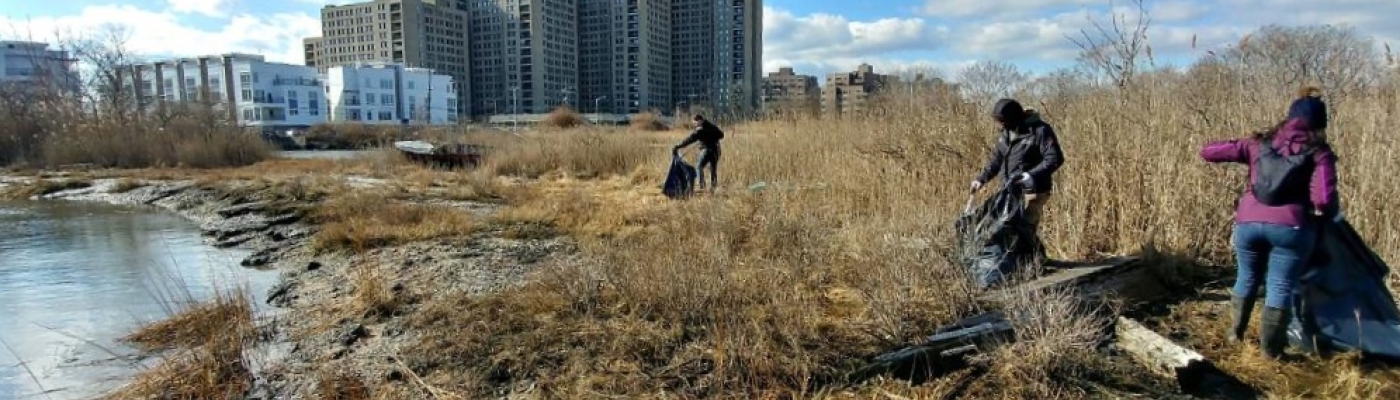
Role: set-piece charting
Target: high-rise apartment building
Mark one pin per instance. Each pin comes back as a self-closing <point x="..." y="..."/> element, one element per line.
<point x="625" y="55"/>
<point x="531" y="56"/>
<point x="717" y="54"/>
<point x="416" y="33"/>
<point x="524" y="55"/>
<point x="786" y="92"/>
<point x="851" y="91"/>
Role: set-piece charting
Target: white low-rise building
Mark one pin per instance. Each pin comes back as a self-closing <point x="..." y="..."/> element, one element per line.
<point x="30" y="64"/>
<point x="382" y="93"/>
<point x="263" y="94"/>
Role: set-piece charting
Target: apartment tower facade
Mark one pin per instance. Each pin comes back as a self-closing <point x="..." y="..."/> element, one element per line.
<point x="531" y="56"/>
<point x="786" y="92"/>
<point x="625" y="55"/>
<point x="524" y="55"/>
<point x="848" y="92"/>
<point x="717" y="48"/>
<point x="416" y="33"/>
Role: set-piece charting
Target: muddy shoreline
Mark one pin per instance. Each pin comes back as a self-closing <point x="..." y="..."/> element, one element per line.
<point x="310" y="331"/>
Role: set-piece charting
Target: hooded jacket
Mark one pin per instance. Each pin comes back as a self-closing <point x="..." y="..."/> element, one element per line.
<point x="706" y="133"/>
<point x="1290" y="139"/>
<point x="1031" y="148"/>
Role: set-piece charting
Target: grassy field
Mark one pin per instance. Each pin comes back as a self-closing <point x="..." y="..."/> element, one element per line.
<point x="772" y="294"/>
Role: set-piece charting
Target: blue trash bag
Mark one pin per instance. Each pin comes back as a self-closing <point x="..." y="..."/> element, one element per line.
<point x="680" y="180"/>
<point x="1342" y="302"/>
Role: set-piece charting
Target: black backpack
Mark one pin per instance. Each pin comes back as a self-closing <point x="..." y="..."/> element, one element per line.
<point x="1281" y="180"/>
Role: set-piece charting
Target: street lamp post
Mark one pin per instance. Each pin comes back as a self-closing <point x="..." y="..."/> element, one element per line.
<point x="514" y="109"/>
<point x="598" y="104"/>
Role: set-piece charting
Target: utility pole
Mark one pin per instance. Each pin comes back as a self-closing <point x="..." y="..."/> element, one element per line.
<point x="514" y="109"/>
<point x="429" y="102"/>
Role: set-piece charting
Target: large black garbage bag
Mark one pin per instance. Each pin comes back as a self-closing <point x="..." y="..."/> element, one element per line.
<point x="1341" y="302"/>
<point x="680" y="180"/>
<point x="996" y="239"/>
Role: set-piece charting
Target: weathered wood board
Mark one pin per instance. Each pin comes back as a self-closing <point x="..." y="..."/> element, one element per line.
<point x="1094" y="279"/>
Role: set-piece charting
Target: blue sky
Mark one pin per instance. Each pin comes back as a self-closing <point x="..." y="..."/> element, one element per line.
<point x="814" y="36"/>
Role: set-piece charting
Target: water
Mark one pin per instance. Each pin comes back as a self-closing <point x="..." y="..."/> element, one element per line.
<point x="325" y="154"/>
<point x="76" y="276"/>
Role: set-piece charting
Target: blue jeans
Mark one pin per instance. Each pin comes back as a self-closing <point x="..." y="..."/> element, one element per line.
<point x="1273" y="255"/>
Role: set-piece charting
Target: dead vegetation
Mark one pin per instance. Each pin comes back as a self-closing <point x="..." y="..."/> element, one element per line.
<point x="648" y="121"/>
<point x="774" y="293"/>
<point x="40" y="187"/>
<point x="363" y="220"/>
<point x="203" y="352"/>
<point x="562" y="118"/>
<point x="844" y="253"/>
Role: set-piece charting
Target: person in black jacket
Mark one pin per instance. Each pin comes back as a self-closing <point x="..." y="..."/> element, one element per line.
<point x="1027" y="153"/>
<point x="708" y="135"/>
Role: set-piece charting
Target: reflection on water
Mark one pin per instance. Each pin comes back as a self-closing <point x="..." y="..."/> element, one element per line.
<point x="325" y="154"/>
<point x="75" y="276"/>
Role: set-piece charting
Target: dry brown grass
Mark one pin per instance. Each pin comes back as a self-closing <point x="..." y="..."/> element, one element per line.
<point x="40" y="187"/>
<point x="648" y="121"/>
<point x="1346" y="376"/>
<point x="353" y="135"/>
<point x="362" y="220"/>
<point x="844" y="253"/>
<point x="562" y="117"/>
<point x="53" y="132"/>
<point x="202" y="352"/>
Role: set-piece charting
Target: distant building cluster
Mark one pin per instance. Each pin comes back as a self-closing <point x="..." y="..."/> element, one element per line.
<point x="786" y="92"/>
<point x="280" y="96"/>
<point x="449" y="61"/>
<point x="532" y="56"/>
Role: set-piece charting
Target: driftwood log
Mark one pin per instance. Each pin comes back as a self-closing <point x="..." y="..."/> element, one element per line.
<point x="1116" y="280"/>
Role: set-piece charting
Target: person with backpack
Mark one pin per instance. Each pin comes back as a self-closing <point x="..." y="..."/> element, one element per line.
<point x="708" y="135"/>
<point x="1027" y="153"/>
<point x="1292" y="188"/>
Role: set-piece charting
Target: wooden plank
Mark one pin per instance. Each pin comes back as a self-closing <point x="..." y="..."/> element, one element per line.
<point x="1193" y="373"/>
<point x="1158" y="353"/>
<point x="1094" y="279"/>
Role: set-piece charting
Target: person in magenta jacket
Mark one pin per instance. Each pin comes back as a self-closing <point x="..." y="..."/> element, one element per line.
<point x="1273" y="243"/>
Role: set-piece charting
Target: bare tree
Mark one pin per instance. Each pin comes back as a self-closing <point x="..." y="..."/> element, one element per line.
<point x="105" y="58"/>
<point x="1058" y="86"/>
<point x="1280" y="59"/>
<point x="1116" y="51"/>
<point x="986" y="81"/>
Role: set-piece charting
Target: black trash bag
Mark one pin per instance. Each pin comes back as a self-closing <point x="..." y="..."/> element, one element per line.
<point x="996" y="239"/>
<point x="680" y="180"/>
<point x="1341" y="302"/>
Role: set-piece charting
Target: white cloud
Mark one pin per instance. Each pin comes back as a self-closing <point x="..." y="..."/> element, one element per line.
<point x="164" y="33"/>
<point x="1001" y="8"/>
<point x="212" y="8"/>
<point x="823" y="36"/>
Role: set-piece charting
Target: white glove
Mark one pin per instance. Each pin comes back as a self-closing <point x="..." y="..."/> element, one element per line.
<point x="1024" y="176"/>
<point x="976" y="185"/>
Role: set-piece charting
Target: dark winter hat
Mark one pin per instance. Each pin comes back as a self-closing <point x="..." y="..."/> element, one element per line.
<point x="1009" y="111"/>
<point x="1311" y="109"/>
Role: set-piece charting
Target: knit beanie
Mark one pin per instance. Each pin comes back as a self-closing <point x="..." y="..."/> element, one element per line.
<point x="1311" y="109"/>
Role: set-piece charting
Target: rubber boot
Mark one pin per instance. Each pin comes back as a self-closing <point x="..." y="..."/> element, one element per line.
<point x="1273" y="334"/>
<point x="1241" y="308"/>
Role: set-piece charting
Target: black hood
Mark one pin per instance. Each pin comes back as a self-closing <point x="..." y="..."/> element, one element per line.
<point x="1010" y="112"/>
